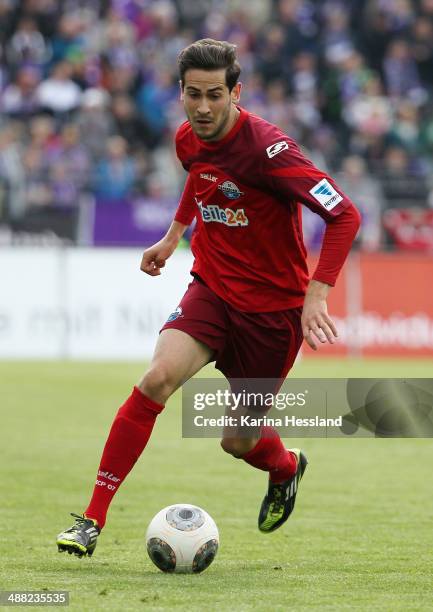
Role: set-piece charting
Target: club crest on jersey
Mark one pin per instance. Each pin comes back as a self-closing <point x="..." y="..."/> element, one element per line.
<point x="226" y="216"/>
<point x="325" y="194"/>
<point x="175" y="315"/>
<point x="277" y="148"/>
<point x="230" y="190"/>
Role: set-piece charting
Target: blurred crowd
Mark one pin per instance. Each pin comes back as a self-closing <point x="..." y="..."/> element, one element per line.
<point x="89" y="100"/>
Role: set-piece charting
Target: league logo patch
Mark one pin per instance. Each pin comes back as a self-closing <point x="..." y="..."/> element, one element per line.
<point x="325" y="194"/>
<point x="277" y="148"/>
<point x="175" y="315"/>
<point x="230" y="190"/>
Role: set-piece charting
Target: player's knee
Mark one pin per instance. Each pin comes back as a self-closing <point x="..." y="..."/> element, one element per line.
<point x="157" y="383"/>
<point x="236" y="446"/>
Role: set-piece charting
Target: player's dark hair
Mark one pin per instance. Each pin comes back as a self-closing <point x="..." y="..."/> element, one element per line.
<point x="209" y="54"/>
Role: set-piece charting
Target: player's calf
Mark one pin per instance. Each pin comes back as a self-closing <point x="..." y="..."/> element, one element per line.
<point x="158" y="383"/>
<point x="238" y="446"/>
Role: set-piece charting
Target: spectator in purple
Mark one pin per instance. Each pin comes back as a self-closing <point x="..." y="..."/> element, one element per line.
<point x="12" y="175"/>
<point x="422" y="48"/>
<point x="370" y="112"/>
<point x="65" y="192"/>
<point x="272" y="62"/>
<point x="73" y="156"/>
<point x="337" y="39"/>
<point x="353" y="76"/>
<point x="115" y="173"/>
<point x="68" y="38"/>
<point x="94" y="121"/>
<point x="43" y="136"/>
<point x="19" y="98"/>
<point x="27" y="45"/>
<point x="154" y="100"/>
<point x="38" y="190"/>
<point x="403" y="186"/>
<point x="401" y="72"/>
<point x="406" y="129"/>
<point x="254" y="95"/>
<point x="118" y="42"/>
<point x="305" y="89"/>
<point x="299" y="21"/>
<point x="399" y="14"/>
<point x="355" y="180"/>
<point x="130" y="125"/>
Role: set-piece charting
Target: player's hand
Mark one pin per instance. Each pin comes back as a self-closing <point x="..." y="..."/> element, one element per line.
<point x="316" y="323"/>
<point x="154" y="257"/>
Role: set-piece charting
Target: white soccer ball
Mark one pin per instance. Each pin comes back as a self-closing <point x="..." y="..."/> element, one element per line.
<point x="182" y="538"/>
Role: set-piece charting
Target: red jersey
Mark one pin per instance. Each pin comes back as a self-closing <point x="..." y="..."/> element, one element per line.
<point x="245" y="191"/>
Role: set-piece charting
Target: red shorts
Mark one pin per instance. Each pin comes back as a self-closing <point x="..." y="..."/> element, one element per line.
<point x="245" y="344"/>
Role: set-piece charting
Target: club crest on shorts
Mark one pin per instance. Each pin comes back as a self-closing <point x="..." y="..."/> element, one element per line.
<point x="175" y="315"/>
<point x="230" y="190"/>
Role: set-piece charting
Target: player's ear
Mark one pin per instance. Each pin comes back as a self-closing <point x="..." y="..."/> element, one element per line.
<point x="181" y="89"/>
<point x="236" y="93"/>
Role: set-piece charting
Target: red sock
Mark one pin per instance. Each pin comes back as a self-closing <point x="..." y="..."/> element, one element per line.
<point x="270" y="455"/>
<point x="128" y="436"/>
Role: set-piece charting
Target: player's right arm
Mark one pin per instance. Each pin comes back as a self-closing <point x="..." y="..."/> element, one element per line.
<point x="154" y="257"/>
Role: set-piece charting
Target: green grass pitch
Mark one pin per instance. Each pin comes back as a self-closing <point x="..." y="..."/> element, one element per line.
<point x="360" y="537"/>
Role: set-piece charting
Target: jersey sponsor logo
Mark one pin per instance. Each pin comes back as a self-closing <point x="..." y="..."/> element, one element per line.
<point x="226" y="216"/>
<point x="230" y="190"/>
<point x="208" y="177"/>
<point x="175" y="315"/>
<point x="325" y="194"/>
<point x="277" y="148"/>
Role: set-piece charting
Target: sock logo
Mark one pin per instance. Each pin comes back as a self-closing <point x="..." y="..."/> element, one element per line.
<point x="108" y="476"/>
<point x="102" y="483"/>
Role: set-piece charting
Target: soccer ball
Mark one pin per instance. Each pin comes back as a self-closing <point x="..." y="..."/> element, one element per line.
<point x="182" y="538"/>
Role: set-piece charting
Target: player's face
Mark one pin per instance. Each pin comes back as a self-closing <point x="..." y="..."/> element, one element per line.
<point x="209" y="105"/>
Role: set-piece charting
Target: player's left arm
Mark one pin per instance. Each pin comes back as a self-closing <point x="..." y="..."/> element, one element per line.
<point x="290" y="174"/>
<point x="339" y="235"/>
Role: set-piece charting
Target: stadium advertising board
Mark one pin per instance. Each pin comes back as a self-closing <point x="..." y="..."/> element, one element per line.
<point x="96" y="304"/>
<point x="131" y="222"/>
<point x="383" y="306"/>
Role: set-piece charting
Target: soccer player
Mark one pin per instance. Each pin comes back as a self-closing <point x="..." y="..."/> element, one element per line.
<point x="250" y="303"/>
